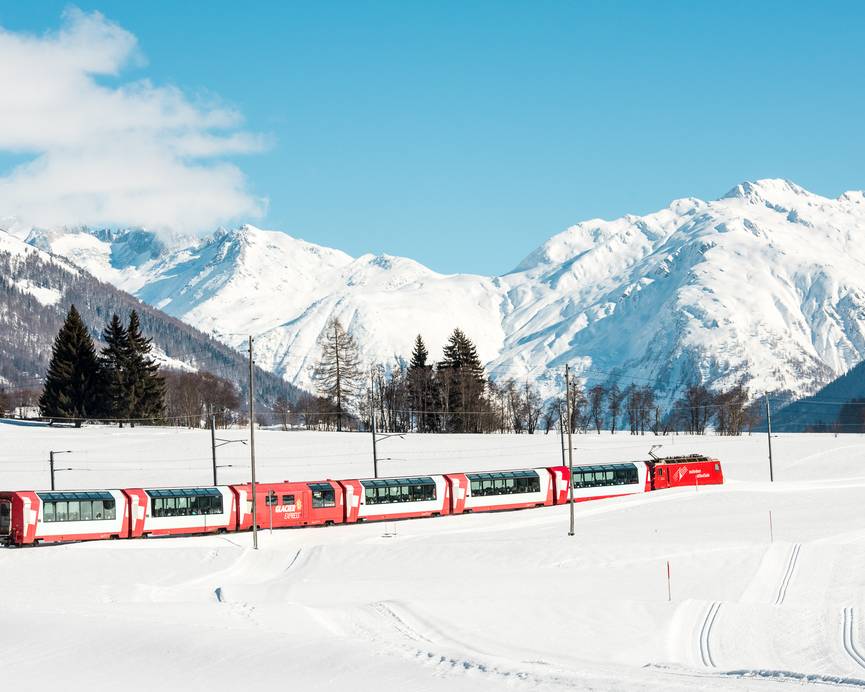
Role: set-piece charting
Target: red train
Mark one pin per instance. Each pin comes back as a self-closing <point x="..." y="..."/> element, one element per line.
<point x="28" y="517"/>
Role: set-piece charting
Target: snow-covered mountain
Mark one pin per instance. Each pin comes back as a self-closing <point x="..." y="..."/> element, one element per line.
<point x="36" y="289"/>
<point x="765" y="285"/>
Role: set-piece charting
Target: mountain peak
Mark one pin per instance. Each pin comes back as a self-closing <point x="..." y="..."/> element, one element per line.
<point x="775" y="190"/>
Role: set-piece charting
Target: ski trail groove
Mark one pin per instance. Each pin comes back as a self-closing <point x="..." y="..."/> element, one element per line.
<point x="399" y="624"/>
<point x="788" y="574"/>
<point x="705" y="633"/>
<point x="848" y="636"/>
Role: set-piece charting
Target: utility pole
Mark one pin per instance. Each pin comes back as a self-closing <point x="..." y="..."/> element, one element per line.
<point x="372" y="424"/>
<point x="213" y="442"/>
<point x="562" y="432"/>
<point x="570" y="449"/>
<point x="252" y="447"/>
<point x="769" y="433"/>
<point x="51" y="463"/>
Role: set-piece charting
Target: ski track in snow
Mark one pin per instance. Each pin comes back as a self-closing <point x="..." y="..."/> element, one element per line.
<point x="788" y="574"/>
<point x="849" y="638"/>
<point x="705" y="634"/>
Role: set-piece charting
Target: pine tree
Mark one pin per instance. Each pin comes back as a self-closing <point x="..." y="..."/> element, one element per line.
<point x="421" y="385"/>
<point x="146" y="386"/>
<point x="72" y="385"/>
<point x="465" y="374"/>
<point x="338" y="374"/>
<point x="116" y="376"/>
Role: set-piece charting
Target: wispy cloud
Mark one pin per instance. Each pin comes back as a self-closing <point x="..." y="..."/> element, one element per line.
<point x="132" y="153"/>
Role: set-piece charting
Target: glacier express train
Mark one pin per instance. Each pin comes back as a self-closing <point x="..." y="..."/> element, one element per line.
<point x="29" y="517"/>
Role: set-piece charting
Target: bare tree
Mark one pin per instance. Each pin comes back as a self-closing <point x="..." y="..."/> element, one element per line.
<point x="694" y="409"/>
<point x="338" y="374"/>
<point x="647" y="410"/>
<point x="281" y="408"/>
<point x="614" y="403"/>
<point x="579" y="415"/>
<point x="551" y="414"/>
<point x="533" y="407"/>
<point x="731" y="406"/>
<point x="597" y="394"/>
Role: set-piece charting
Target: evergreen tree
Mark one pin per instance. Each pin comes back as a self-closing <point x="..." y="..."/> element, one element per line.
<point x="116" y="377"/>
<point x="465" y="383"/>
<point x="146" y="386"/>
<point x="72" y="385"/>
<point x="338" y="374"/>
<point x="421" y="386"/>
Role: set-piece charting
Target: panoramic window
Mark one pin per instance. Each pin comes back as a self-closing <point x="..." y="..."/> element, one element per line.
<point x="504" y="483"/>
<point x="77" y="506"/>
<point x="605" y="475"/>
<point x="184" y="502"/>
<point x="395" y="490"/>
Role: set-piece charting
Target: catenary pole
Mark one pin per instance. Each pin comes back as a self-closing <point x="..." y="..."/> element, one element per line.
<point x="570" y="449"/>
<point x="372" y="422"/>
<point x="51" y="463"/>
<point x="252" y="447"/>
<point x="562" y="433"/>
<point x="213" y="442"/>
<point x="769" y="433"/>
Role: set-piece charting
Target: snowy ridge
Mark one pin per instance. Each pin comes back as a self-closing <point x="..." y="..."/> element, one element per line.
<point x="764" y="285"/>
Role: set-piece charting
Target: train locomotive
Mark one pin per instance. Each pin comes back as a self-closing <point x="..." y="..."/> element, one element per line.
<point x="32" y="517"/>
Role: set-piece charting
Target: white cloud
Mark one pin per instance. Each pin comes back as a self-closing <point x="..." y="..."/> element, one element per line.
<point x="128" y="154"/>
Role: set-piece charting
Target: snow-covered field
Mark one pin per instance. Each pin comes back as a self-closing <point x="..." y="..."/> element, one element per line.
<point x="503" y="601"/>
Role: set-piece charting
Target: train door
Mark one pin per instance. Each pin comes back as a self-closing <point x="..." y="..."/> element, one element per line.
<point x="5" y="519"/>
<point x="661" y="477"/>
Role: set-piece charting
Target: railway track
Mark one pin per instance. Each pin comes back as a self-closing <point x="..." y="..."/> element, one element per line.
<point x="706" y="633"/>
<point x="788" y="574"/>
<point x="849" y="638"/>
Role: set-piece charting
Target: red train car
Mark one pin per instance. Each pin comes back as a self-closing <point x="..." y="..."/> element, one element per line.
<point x="378" y="499"/>
<point x="54" y="516"/>
<point x="691" y="470"/>
<point x="281" y="505"/>
<point x="178" y="511"/>
<point x="504" y="490"/>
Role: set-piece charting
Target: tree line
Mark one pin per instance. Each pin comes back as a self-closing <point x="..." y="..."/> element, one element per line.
<point x="453" y="394"/>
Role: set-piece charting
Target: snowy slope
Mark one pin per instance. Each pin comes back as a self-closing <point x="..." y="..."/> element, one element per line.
<point x="505" y="601"/>
<point x="37" y="288"/>
<point x="764" y="285"/>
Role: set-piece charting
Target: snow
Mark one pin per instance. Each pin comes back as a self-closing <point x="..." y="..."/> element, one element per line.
<point x="763" y="285"/>
<point x="45" y="295"/>
<point x="476" y="602"/>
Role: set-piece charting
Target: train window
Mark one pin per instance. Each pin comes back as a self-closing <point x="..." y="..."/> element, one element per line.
<point x="323" y="495"/>
<point x="5" y="518"/>
<point x="77" y="506"/>
<point x="288" y="499"/>
<point x="604" y="475"/>
<point x="504" y="483"/>
<point x="184" y="502"/>
<point x="391" y="490"/>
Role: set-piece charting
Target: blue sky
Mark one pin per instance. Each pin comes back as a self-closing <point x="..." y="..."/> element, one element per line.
<point x="464" y="134"/>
